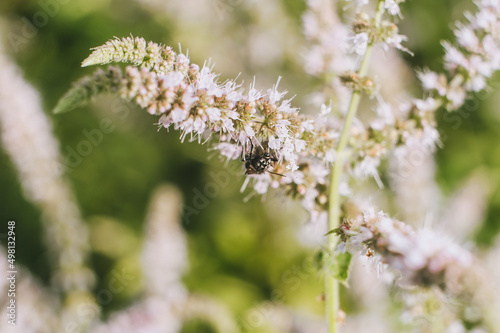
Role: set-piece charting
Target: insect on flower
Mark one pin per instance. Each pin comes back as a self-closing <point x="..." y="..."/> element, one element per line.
<point x="260" y="162"/>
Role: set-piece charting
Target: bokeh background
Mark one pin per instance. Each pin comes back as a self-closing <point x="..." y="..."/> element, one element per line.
<point x="240" y="249"/>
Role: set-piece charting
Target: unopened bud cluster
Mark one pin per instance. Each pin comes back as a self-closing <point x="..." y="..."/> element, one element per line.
<point x="363" y="84"/>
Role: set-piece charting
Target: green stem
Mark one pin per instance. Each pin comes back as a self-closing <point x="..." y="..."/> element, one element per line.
<point x="332" y="285"/>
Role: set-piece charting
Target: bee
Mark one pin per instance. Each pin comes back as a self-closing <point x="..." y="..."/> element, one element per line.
<point x="260" y="162"/>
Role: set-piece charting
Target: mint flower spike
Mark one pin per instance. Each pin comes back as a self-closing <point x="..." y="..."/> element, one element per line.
<point x="136" y="51"/>
<point x="193" y="101"/>
<point x="88" y="87"/>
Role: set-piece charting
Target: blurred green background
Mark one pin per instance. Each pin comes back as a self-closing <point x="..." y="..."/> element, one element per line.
<point x="238" y="251"/>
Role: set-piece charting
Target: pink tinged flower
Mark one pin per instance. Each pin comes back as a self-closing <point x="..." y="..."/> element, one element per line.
<point x="165" y="121"/>
<point x="206" y="81"/>
<point x="399" y="243"/>
<point x="177" y="115"/>
<point x="297" y="177"/>
<point x="262" y="184"/>
<point x="288" y="150"/>
<point x="231" y="93"/>
<point x="492" y="50"/>
<point x="360" y="42"/>
<point x="426" y="105"/>
<point x="344" y="189"/>
<point x="143" y="91"/>
<point x="341" y="247"/>
<point x="213" y="114"/>
<point x="330" y="156"/>
<point x="229" y="150"/>
<point x="485" y="20"/>
<point x="467" y="38"/>
<point x="369" y="214"/>
<point x="309" y="199"/>
<point x="274" y="143"/>
<point x="477" y="65"/>
<point x="307" y="125"/>
<point x="253" y="94"/>
<point x="454" y="58"/>
<point x="281" y="131"/>
<point x="363" y="235"/>
<point x="430" y="137"/>
<point x="152" y="109"/>
<point x="189" y="97"/>
<point x="456" y="97"/>
<point x="292" y="166"/>
<point x="477" y="83"/>
<point x="493" y="4"/>
<point x="392" y="7"/>
<point x="227" y="125"/>
<point x="199" y="125"/>
<point x="205" y="78"/>
<point x="249" y="131"/>
<point x="232" y="114"/>
<point x="377" y="124"/>
<point x="319" y="171"/>
<point x="415" y="260"/>
<point x="325" y="110"/>
<point x="396" y="40"/>
<point x="314" y="61"/>
<point x="385" y="112"/>
<point x="300" y="145"/>
<point x="429" y="79"/>
<point x="286" y="106"/>
<point x="368" y="167"/>
<point x="172" y="79"/>
<point x="310" y="25"/>
<point x="274" y="95"/>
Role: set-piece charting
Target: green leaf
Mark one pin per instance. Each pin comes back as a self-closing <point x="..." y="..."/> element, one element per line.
<point x="333" y="231"/>
<point x="76" y="97"/>
<point x="340" y="266"/>
<point x="88" y="87"/>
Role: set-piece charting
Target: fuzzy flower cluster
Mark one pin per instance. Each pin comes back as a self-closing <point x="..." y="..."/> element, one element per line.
<point x="472" y="61"/>
<point x="412" y="124"/>
<point x="26" y="137"/>
<point x="164" y="289"/>
<point x="422" y="257"/>
<point x="329" y="44"/>
<point x="136" y="51"/>
<point x="366" y="31"/>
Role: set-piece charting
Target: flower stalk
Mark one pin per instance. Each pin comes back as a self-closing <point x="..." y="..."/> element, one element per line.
<point x="331" y="283"/>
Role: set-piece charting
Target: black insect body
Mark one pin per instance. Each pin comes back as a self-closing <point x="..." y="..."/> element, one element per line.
<point x="259" y="163"/>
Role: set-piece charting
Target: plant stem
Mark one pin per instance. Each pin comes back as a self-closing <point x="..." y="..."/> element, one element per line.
<point x="332" y="285"/>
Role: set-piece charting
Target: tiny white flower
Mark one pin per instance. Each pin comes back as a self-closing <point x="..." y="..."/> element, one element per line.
<point x="189" y="96"/>
<point x="261" y="185"/>
<point x="274" y="95"/>
<point x="199" y="125"/>
<point x="177" y="115"/>
<point x="172" y="79"/>
<point x="229" y="150"/>
<point x="213" y="114"/>
<point x="300" y="145"/>
<point x="360" y="42"/>
<point x="392" y="7"/>
<point x="467" y="38"/>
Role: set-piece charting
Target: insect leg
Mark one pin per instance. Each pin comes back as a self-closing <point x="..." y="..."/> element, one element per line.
<point x="251" y="148"/>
